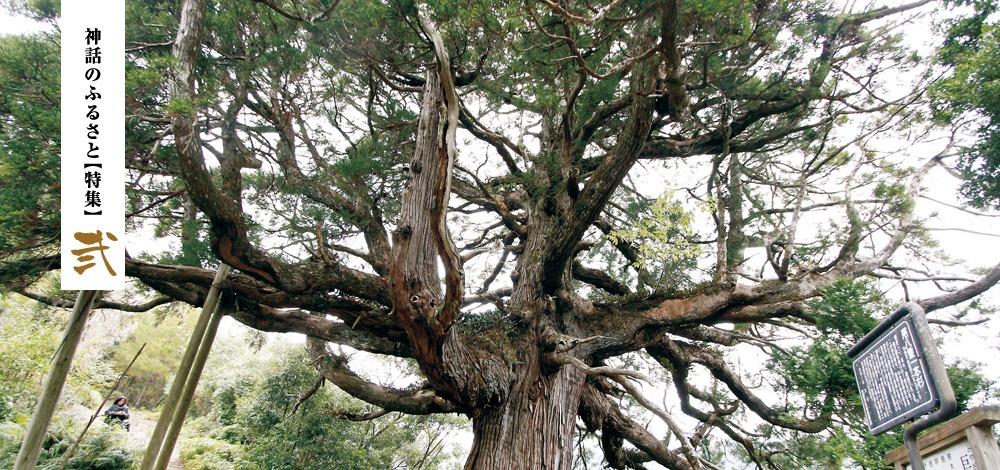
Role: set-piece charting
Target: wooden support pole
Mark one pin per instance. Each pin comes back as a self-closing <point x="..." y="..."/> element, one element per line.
<point x="31" y="447"/>
<point x="189" y="388"/>
<point x="183" y="371"/>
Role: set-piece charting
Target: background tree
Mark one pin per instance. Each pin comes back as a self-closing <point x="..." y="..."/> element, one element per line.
<point x="165" y="335"/>
<point x="31" y="334"/>
<point x="244" y="417"/>
<point x="278" y="416"/>
<point x="534" y="201"/>
<point x="972" y="50"/>
<point x="29" y="153"/>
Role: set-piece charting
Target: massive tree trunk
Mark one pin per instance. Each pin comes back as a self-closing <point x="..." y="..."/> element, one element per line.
<point x="534" y="428"/>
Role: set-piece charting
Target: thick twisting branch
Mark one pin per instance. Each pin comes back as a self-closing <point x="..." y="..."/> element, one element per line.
<point x="446" y="153"/>
<point x="99" y="303"/>
<point x="421" y="239"/>
<point x="229" y="224"/>
<point x="687" y="353"/>
<point x="613" y="372"/>
<point x="598" y="412"/>
<point x="981" y="285"/>
<point x="334" y="368"/>
<point x="675" y="428"/>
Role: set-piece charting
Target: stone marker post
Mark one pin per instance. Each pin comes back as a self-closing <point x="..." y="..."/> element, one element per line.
<point x="964" y="443"/>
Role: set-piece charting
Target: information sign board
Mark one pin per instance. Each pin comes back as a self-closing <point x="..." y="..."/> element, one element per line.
<point x="893" y="378"/>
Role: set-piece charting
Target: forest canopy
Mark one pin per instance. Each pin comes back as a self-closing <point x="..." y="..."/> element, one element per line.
<point x="555" y="210"/>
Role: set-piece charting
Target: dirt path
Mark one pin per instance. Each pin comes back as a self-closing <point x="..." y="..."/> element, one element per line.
<point x="141" y="429"/>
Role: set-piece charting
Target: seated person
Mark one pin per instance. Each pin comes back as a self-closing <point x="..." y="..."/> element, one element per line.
<point x="118" y="413"/>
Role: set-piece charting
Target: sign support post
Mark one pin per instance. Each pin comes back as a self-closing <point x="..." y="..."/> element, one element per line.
<point x="904" y="340"/>
<point x="948" y="407"/>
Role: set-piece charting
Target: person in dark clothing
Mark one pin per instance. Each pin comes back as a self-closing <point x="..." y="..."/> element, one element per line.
<point x="118" y="413"/>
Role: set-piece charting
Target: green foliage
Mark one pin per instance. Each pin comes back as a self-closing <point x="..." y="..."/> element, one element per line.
<point x="730" y="19"/>
<point x="39" y="10"/>
<point x="30" y="335"/>
<point x="6" y="406"/>
<point x="894" y="194"/>
<point x="847" y="310"/>
<point x="225" y="398"/>
<point x="329" y="72"/>
<point x="246" y="420"/>
<point x="816" y="370"/>
<point x="29" y="142"/>
<point x="368" y="158"/>
<point x="102" y="448"/>
<point x="476" y="324"/>
<point x="206" y="453"/>
<point x="250" y="424"/>
<point x="820" y="370"/>
<point x="11" y="435"/>
<point x="844" y="314"/>
<point x="165" y="336"/>
<point x="180" y="107"/>
<point x="835" y="450"/>
<point x="967" y="382"/>
<point x="663" y="232"/>
<point x="854" y="444"/>
<point x="972" y="51"/>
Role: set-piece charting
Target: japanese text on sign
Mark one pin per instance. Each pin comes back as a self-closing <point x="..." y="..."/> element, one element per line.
<point x="893" y="378"/>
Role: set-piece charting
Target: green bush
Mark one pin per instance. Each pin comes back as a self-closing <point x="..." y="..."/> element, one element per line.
<point x="10" y="438"/>
<point x="248" y="423"/>
<point x="101" y="448"/>
<point x="6" y="405"/>
<point x="206" y="453"/>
